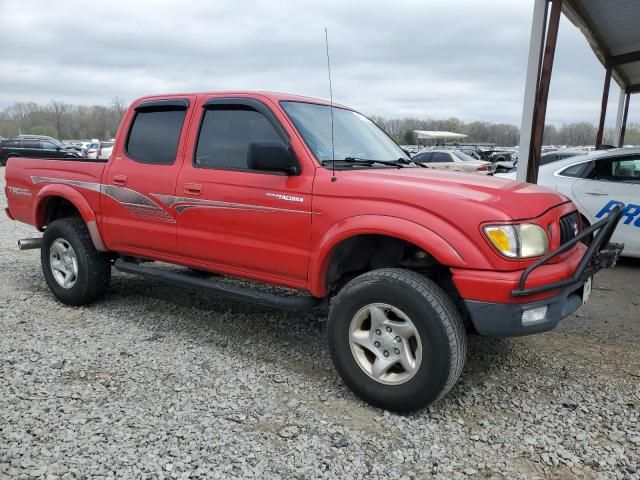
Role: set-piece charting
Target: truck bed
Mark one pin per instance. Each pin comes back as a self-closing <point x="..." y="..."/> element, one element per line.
<point x="30" y="178"/>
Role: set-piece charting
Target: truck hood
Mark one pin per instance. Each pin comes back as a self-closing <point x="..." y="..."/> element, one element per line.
<point x="436" y="189"/>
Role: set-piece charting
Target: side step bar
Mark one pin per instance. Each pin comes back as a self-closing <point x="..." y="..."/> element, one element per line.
<point x="259" y="297"/>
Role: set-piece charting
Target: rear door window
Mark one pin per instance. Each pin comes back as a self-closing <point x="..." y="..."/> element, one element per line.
<point x="577" y="170"/>
<point x="440" y="157"/>
<point x="154" y="136"/>
<point x="33" y="144"/>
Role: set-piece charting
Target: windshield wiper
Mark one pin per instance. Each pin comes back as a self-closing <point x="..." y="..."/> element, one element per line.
<point x="400" y="163"/>
<point x="408" y="162"/>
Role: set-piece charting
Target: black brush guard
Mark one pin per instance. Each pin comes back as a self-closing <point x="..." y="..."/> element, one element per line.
<point x="594" y="259"/>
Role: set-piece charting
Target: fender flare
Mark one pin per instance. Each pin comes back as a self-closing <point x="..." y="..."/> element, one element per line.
<point x="77" y="200"/>
<point x="430" y="241"/>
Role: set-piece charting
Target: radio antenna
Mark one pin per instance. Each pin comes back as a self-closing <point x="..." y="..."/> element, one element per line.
<point x="333" y="148"/>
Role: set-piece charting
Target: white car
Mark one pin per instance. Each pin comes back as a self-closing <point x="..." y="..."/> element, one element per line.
<point x="453" y="160"/>
<point x="596" y="183"/>
<point x="104" y="150"/>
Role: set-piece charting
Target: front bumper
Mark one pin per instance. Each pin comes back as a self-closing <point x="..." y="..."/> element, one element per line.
<point x="507" y="319"/>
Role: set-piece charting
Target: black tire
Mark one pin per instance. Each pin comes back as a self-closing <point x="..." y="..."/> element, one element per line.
<point x="94" y="268"/>
<point x="436" y="319"/>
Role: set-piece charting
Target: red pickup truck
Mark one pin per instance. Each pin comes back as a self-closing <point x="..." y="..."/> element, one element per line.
<point x="290" y="191"/>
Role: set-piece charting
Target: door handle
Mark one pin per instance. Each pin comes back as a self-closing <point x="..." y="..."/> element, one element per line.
<point x="597" y="192"/>
<point x="193" y="188"/>
<point x="120" y="179"/>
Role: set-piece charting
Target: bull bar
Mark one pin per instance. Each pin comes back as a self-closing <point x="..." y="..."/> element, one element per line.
<point x="593" y="260"/>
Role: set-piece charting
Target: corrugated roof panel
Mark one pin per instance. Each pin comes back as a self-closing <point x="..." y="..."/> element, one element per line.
<point x="612" y="27"/>
<point x="617" y="22"/>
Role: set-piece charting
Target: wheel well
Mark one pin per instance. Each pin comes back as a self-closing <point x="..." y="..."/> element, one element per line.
<point x="362" y="253"/>
<point x="58" y="207"/>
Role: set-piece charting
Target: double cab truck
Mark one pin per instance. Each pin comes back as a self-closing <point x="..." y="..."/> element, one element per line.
<point x="297" y="192"/>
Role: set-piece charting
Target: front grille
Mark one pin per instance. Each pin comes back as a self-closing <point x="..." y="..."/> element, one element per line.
<point x="569" y="227"/>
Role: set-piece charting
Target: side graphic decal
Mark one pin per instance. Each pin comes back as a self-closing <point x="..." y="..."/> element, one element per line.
<point x="180" y="204"/>
<point x="137" y="204"/>
<point x="147" y="208"/>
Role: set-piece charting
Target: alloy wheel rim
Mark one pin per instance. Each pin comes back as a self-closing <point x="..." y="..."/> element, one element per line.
<point x="63" y="262"/>
<point x="385" y="343"/>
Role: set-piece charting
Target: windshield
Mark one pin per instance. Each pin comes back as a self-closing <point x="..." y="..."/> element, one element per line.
<point x="463" y="156"/>
<point x="354" y="135"/>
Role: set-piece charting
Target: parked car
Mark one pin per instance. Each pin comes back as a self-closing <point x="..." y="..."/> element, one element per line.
<point x="503" y="159"/>
<point x="453" y="160"/>
<point x="554" y="156"/>
<point x="259" y="186"/>
<point x="91" y="150"/>
<point x="104" y="150"/>
<point x="597" y="182"/>
<point x="33" y="148"/>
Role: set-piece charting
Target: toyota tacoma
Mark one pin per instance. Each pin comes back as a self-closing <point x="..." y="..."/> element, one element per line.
<point x="297" y="192"/>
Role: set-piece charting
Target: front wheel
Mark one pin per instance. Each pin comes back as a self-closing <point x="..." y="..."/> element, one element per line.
<point x="396" y="339"/>
<point x="75" y="271"/>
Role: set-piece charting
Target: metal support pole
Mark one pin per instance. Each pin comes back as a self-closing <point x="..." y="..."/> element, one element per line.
<point x="538" y="26"/>
<point x="603" y="106"/>
<point x="624" y="119"/>
<point x="621" y="100"/>
<point x="540" y="114"/>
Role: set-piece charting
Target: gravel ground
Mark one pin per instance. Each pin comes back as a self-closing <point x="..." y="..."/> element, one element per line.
<point x="159" y="382"/>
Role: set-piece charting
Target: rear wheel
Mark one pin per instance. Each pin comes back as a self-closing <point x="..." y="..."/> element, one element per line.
<point x="75" y="271"/>
<point x="397" y="339"/>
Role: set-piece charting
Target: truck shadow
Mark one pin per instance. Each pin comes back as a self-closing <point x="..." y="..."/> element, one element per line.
<point x="293" y="341"/>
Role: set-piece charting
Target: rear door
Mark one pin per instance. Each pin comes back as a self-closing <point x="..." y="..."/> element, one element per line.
<point x="234" y="219"/>
<point x="442" y="161"/>
<point x="32" y="148"/>
<point x="144" y="169"/>
<point x="51" y="150"/>
<point x="608" y="182"/>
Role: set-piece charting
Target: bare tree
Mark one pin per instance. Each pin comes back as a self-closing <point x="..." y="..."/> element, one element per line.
<point x="58" y="109"/>
<point x="119" y="104"/>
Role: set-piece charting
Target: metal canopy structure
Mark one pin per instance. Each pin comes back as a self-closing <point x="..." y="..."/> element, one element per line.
<point x="438" y="135"/>
<point x="611" y="28"/>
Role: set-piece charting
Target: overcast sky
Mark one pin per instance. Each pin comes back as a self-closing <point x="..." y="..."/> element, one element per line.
<point x="421" y="58"/>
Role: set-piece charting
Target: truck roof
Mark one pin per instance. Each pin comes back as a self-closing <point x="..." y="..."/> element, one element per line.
<point x="274" y="96"/>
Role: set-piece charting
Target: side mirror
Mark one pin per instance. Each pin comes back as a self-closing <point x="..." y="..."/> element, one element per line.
<point x="272" y="157"/>
<point x="58" y="149"/>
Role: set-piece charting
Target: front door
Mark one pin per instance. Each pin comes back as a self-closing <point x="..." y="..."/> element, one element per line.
<point x="234" y="219"/>
<point x="145" y="167"/>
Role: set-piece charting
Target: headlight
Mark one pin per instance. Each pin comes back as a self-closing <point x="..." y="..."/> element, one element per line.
<point x="518" y="241"/>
